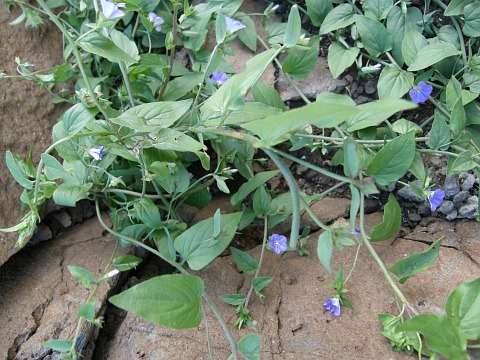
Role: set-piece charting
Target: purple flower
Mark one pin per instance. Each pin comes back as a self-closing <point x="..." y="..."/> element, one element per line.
<point x="332" y="305"/>
<point x="219" y="78"/>
<point x="97" y="152"/>
<point x="436" y="198"/>
<point x="421" y="92"/>
<point x="233" y="25"/>
<point x="278" y="243"/>
<point x="110" y="10"/>
<point x="156" y="20"/>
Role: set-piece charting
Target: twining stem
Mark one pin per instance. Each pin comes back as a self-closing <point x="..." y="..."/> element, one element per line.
<point x="381" y="265"/>
<point x="294" y="192"/>
<point x="207" y="299"/>
<point x="172" y="53"/>
<point x="126" y="80"/>
<point x="77" y="54"/>
<point x="260" y="261"/>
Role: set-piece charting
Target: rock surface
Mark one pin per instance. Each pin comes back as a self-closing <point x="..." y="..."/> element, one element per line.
<point x="39" y="299"/>
<point x="27" y="111"/>
<point x="291" y="322"/>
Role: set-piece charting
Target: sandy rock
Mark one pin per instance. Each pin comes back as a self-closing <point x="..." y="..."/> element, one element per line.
<point x="39" y="298"/>
<point x="291" y="321"/>
<point x="27" y="111"/>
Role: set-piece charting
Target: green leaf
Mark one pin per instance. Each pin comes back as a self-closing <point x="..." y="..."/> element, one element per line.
<point x="418" y="168"/>
<point x="250" y="346"/>
<point x="59" y="345"/>
<point x="294" y="27"/>
<point x="328" y="111"/>
<point x="440" y="334"/>
<point x="83" y="276"/>
<point x="377" y="9"/>
<point x="182" y="85"/>
<point x="416" y="263"/>
<point x="340" y="58"/>
<point x="126" y="262"/>
<point x="75" y="118"/>
<point x="68" y="195"/>
<point x="403" y="126"/>
<point x="431" y="54"/>
<point x="168" y="300"/>
<point x="252" y="184"/>
<point x="126" y="45"/>
<point x="463" y="307"/>
<point x="339" y="18"/>
<point x="15" y="171"/>
<point x="53" y="169"/>
<point x="87" y="311"/>
<point x="247" y="35"/>
<point x="220" y="27"/>
<point x="471" y="28"/>
<point x="199" y="248"/>
<point x="259" y="283"/>
<point x="456" y="7"/>
<point x="146" y="117"/>
<point x="354" y="205"/>
<point x="394" y="82"/>
<point x="266" y="94"/>
<point x="439" y="136"/>
<point x="233" y="299"/>
<point x="458" y="118"/>
<point x="261" y="202"/>
<point x="325" y="249"/>
<point x="375" y="37"/>
<point x="373" y="113"/>
<point x="463" y="162"/>
<point x="400" y="24"/>
<point x="411" y="45"/>
<point x="453" y="92"/>
<point x="350" y="157"/>
<point x="392" y="220"/>
<point x="300" y="62"/>
<point x="275" y="32"/>
<point x="102" y="46"/>
<point x="147" y="212"/>
<point x="244" y="261"/>
<point x="393" y="160"/>
<point x="318" y="10"/>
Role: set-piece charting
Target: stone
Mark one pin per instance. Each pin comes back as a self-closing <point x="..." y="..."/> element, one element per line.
<point x="39" y="299"/>
<point x="451" y="186"/>
<point x="460" y="197"/>
<point x="370" y="87"/>
<point x="452" y="215"/>
<point x="291" y="321"/>
<point x="318" y="81"/>
<point x="467" y="181"/>
<point x="447" y="207"/>
<point x="407" y="193"/>
<point x="27" y="111"/>
<point x="467" y="211"/>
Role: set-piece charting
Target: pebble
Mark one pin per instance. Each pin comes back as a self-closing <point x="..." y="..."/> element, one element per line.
<point x="414" y="217"/>
<point x="467" y="211"/>
<point x="451" y="186"/>
<point x="424" y="209"/>
<point x="460" y="198"/>
<point x="453" y="215"/>
<point x="408" y="193"/>
<point x="473" y="200"/>
<point x="370" y="87"/>
<point x="468" y="181"/>
<point x="447" y="207"/>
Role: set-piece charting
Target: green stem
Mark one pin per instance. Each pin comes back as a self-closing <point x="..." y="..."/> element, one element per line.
<point x="294" y="192"/>
<point x="126" y="80"/>
<point x="314" y="217"/>
<point x="77" y="54"/>
<point x="172" y="53"/>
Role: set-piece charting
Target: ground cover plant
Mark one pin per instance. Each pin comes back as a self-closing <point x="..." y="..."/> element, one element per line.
<point x="145" y="134"/>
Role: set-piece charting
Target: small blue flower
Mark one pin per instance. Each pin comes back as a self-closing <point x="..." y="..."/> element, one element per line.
<point x="421" y="92"/>
<point x="233" y="25"/>
<point x="111" y="10"/>
<point x="156" y="20"/>
<point x="436" y="198"/>
<point x="219" y="78"/>
<point x="332" y="305"/>
<point x="278" y="243"/>
<point x="97" y="152"/>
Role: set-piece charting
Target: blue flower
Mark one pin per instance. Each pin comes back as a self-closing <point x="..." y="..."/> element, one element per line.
<point x="219" y="78"/>
<point x="278" y="243"/>
<point x="97" y="152"/>
<point x="156" y="20"/>
<point x="421" y="92"/>
<point x="233" y="25"/>
<point x="111" y="10"/>
<point x="332" y="305"/>
<point x="436" y="198"/>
